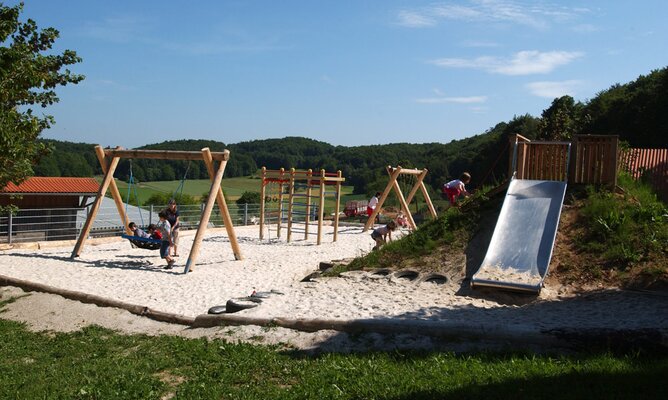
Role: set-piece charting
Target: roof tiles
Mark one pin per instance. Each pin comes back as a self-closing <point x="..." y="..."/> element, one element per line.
<point x="60" y="185"/>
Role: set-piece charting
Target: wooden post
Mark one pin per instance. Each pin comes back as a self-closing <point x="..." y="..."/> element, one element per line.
<point x="337" y="207"/>
<point x="85" y="231"/>
<point x="222" y="204"/>
<point x="99" y="152"/>
<point x="402" y="201"/>
<point x="204" y="220"/>
<point x="262" y="195"/>
<point x="280" y="203"/>
<point x="290" y="201"/>
<point x="309" y="175"/>
<point x="390" y="184"/>
<point x="321" y="211"/>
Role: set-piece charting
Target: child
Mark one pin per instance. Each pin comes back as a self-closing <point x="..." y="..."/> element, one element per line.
<point x="372" y="204"/>
<point x="153" y="232"/>
<point x="164" y="228"/>
<point x="383" y="234"/>
<point x="457" y="187"/>
<point x="401" y="220"/>
<point x="136" y="231"/>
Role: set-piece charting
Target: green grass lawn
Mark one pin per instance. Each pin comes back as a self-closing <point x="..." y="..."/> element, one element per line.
<point x="96" y="363"/>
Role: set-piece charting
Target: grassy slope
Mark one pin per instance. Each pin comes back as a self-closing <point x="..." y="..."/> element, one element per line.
<point x="604" y="240"/>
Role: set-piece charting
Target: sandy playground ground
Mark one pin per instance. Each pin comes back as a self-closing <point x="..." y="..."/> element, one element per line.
<point x="115" y="270"/>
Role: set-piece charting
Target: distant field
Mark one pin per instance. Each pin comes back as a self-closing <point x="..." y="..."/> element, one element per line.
<point x="233" y="188"/>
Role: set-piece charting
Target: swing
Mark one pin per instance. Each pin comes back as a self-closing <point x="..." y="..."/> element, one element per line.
<point x="142" y="243"/>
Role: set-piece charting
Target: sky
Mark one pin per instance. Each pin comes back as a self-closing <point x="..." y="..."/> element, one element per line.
<point x="345" y="72"/>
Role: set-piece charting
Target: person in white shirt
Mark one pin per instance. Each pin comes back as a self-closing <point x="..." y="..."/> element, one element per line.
<point x="457" y="187"/>
<point x="373" y="203"/>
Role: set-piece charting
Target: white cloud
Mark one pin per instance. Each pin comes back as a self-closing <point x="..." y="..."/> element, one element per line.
<point x="526" y="62"/>
<point x="538" y="16"/>
<point x="460" y="100"/>
<point x="552" y="89"/>
<point x="413" y="19"/>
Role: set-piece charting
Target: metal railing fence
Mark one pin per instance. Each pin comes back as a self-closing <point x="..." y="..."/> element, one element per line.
<point x="32" y="225"/>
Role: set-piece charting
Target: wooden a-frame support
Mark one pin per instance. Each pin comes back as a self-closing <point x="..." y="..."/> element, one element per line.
<point x="393" y="184"/>
<point x="109" y="159"/>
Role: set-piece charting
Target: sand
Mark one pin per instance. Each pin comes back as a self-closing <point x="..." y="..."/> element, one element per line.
<point x="116" y="271"/>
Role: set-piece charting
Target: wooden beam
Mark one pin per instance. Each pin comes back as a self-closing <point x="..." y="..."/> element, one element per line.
<point x="99" y="152"/>
<point x="291" y="189"/>
<point x="393" y="178"/>
<point x="262" y="205"/>
<point x="85" y="231"/>
<point x="165" y="154"/>
<point x="204" y="220"/>
<point x="404" y="205"/>
<point x="280" y="204"/>
<point x="321" y="211"/>
<point x="222" y="204"/>
<point x="337" y="208"/>
<point x="309" y="175"/>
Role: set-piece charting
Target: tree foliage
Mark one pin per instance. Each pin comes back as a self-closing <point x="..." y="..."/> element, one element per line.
<point x="29" y="74"/>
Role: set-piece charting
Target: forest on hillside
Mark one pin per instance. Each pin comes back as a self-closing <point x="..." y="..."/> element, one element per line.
<point x="635" y="111"/>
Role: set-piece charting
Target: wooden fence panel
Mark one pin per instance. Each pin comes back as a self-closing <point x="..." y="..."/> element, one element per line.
<point x="649" y="164"/>
<point x="594" y="159"/>
<point x="542" y="161"/>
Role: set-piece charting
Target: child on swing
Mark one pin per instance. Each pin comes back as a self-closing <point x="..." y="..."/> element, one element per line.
<point x="382" y="234"/>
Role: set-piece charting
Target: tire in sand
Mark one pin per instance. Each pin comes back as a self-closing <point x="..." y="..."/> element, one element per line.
<point x="217" y="310"/>
<point x="241" y="303"/>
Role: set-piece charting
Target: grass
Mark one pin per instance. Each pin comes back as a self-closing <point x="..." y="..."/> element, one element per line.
<point x="96" y="363"/>
<point x="233" y="188"/>
<point x="628" y="229"/>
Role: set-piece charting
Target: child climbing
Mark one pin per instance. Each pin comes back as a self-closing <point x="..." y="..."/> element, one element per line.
<point x="457" y="187"/>
<point x="383" y="234"/>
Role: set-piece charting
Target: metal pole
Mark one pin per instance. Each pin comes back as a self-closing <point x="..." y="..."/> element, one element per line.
<point x="150" y="215"/>
<point x="245" y="214"/>
<point x="9" y="229"/>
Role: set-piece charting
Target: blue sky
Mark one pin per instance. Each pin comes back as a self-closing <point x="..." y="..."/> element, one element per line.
<point x="344" y="72"/>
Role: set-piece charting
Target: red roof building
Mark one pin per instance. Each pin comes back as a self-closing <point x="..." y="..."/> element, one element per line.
<point x="49" y="192"/>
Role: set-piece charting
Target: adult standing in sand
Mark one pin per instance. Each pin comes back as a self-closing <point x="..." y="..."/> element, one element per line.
<point x="173" y="215"/>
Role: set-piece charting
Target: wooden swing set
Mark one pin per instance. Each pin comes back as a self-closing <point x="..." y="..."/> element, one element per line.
<point x="300" y="179"/>
<point x="109" y="159"/>
<point x="394" y="174"/>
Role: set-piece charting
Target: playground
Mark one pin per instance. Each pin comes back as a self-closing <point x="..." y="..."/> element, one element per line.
<point x="279" y="275"/>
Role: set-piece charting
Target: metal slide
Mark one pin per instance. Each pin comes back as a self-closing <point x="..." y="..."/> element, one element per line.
<point x="519" y="254"/>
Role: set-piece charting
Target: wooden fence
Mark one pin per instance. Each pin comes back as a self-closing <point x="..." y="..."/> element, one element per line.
<point x="649" y="164"/>
<point x="592" y="159"/>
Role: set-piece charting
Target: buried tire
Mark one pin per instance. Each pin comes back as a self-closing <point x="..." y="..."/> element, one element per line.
<point x="436" y="279"/>
<point x="241" y="303"/>
<point x="217" y="310"/>
<point x="406" y="275"/>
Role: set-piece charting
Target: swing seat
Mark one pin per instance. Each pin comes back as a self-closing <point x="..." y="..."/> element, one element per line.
<point x="143" y="243"/>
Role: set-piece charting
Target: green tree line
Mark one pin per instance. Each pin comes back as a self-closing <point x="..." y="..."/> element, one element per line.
<point x="633" y="111"/>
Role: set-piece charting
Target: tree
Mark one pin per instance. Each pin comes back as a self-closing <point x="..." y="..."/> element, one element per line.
<point x="562" y="120"/>
<point x="249" y="198"/>
<point x="28" y="77"/>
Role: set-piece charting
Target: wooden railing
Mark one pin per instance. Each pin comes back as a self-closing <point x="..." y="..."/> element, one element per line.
<point x="650" y="164"/>
<point x="592" y="159"/>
